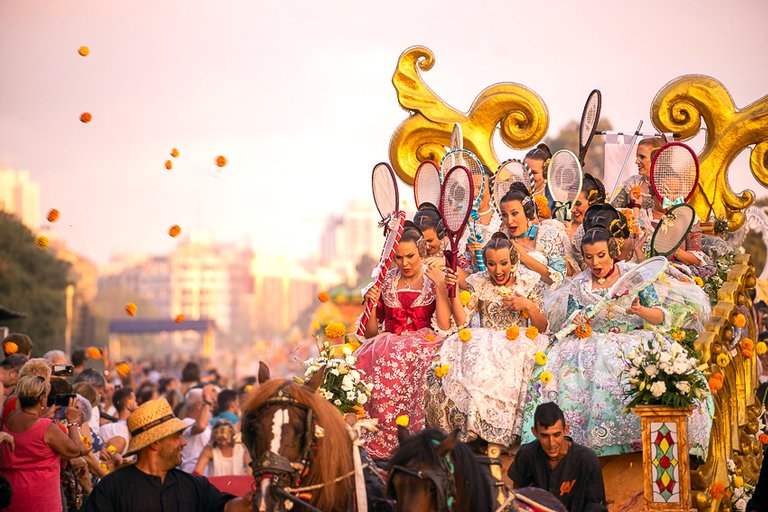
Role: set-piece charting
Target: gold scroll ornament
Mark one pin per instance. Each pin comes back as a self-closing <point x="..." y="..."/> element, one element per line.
<point x="680" y="106"/>
<point x="521" y="114"/>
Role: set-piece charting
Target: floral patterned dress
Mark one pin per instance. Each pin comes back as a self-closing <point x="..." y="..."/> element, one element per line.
<point x="587" y="373"/>
<point x="483" y="393"/>
<point x="397" y="360"/>
<point x="552" y="248"/>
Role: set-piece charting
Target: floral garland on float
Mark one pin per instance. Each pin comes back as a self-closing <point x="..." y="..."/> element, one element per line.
<point x="343" y="385"/>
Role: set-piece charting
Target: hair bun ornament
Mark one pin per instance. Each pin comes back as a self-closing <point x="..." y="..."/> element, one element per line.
<point x="500" y="234"/>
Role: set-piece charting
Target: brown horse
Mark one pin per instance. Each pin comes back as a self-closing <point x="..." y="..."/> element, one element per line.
<point x="297" y="439"/>
<point x="301" y="449"/>
<point x="434" y="472"/>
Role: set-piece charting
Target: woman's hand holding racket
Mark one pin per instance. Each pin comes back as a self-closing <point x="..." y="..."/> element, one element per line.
<point x="451" y="278"/>
<point x="373" y="294"/>
<point x="636" y="308"/>
<point x="436" y="274"/>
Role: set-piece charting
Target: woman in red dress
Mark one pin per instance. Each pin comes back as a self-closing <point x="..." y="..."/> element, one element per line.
<point x="411" y="301"/>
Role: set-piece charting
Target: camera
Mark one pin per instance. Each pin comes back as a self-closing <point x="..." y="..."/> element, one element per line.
<point x="62" y="370"/>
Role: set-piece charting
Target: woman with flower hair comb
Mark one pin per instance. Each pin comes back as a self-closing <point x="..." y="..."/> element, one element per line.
<point x="542" y="244"/>
<point x="583" y="372"/>
<point x="411" y="302"/>
<point x="592" y="192"/>
<point x="481" y="372"/>
<point x="636" y="191"/>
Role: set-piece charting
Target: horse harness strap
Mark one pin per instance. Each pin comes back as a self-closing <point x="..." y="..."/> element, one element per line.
<point x="270" y="462"/>
<point x="443" y="480"/>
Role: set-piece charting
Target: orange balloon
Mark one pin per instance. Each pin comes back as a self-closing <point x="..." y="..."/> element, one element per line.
<point x="168" y="165"/>
<point x="85" y="117"/>
<point x="93" y="353"/>
<point x="9" y="347"/>
<point x="123" y="369"/>
<point x="131" y="309"/>
<point x="221" y="161"/>
<point x="174" y="153"/>
<point x="179" y="319"/>
<point x="174" y="230"/>
<point x="83" y="51"/>
<point x="41" y="241"/>
<point x="53" y="215"/>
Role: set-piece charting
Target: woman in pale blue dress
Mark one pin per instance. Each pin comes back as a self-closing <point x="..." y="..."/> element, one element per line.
<point x="587" y="372"/>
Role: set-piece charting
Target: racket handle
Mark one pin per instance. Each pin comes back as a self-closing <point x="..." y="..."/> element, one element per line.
<point x="450" y="261"/>
<point x="565" y="331"/>
<point x="479" y="261"/>
<point x="364" y="319"/>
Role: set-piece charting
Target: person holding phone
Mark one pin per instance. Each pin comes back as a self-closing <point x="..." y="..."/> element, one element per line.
<point x="33" y="465"/>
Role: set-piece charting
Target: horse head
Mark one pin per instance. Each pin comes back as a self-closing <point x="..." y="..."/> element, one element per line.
<point x="434" y="472"/>
<point x="296" y="440"/>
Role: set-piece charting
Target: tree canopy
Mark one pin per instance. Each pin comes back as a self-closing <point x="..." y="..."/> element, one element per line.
<point x="32" y="281"/>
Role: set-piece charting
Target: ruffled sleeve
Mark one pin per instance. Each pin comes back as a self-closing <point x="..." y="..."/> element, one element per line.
<point x="549" y="242"/>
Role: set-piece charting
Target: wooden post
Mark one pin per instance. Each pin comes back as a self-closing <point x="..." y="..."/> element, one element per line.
<point x="666" y="468"/>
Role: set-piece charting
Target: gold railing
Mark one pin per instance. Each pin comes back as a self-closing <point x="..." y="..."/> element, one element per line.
<point x="735" y="424"/>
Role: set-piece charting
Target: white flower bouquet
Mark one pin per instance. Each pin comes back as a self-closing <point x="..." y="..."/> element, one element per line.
<point x="343" y="385"/>
<point x="662" y="373"/>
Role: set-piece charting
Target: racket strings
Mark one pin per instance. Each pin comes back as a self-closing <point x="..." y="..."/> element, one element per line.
<point x="427" y="186"/>
<point x="509" y="172"/>
<point x="591" y="116"/>
<point x="384" y="190"/>
<point x="456" y="200"/>
<point x="639" y="277"/>
<point x="674" y="172"/>
<point x="672" y="230"/>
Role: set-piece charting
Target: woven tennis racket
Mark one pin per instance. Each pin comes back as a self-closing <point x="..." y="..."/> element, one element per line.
<point x="385" y="193"/>
<point x="426" y="184"/>
<point x="674" y="174"/>
<point x="672" y="229"/>
<point x="509" y="172"/>
<point x="467" y="159"/>
<point x="626" y="288"/>
<point x="590" y="116"/>
<point x="391" y="241"/>
<point x="564" y="179"/>
<point x="455" y="206"/>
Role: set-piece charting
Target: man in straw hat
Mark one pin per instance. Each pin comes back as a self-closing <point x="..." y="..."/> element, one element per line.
<point x="154" y="483"/>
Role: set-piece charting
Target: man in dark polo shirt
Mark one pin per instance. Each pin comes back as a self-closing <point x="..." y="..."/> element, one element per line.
<point x="154" y="484"/>
<point x="553" y="462"/>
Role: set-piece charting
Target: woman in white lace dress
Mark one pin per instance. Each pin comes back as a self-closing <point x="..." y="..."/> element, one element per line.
<point x="483" y="392"/>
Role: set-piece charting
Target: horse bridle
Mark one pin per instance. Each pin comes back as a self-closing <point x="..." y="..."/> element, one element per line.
<point x="443" y="480"/>
<point x="278" y="466"/>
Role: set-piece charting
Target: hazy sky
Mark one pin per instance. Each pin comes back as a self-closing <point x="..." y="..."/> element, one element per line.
<point x="298" y="97"/>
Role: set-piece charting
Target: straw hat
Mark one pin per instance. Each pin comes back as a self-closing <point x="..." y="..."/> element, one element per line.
<point x="150" y="422"/>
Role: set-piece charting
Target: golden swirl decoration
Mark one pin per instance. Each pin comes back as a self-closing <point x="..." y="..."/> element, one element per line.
<point x="521" y="114"/>
<point x="681" y="105"/>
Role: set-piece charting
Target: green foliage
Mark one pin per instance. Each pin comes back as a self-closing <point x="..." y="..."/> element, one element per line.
<point x="33" y="282"/>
